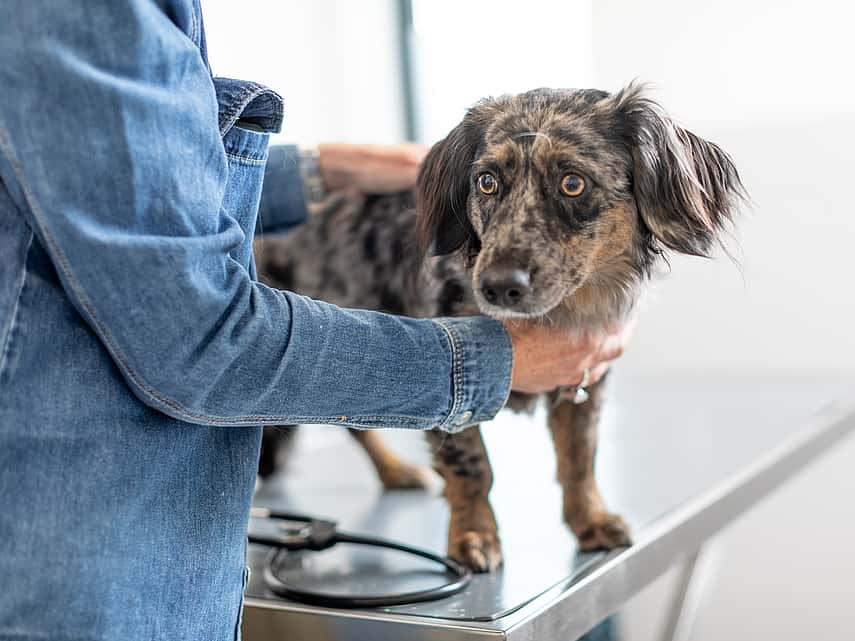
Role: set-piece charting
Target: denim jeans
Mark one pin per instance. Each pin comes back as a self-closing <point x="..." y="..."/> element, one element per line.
<point x="138" y="356"/>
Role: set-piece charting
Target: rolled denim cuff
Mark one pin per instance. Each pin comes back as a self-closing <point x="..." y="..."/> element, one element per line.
<point x="482" y="361"/>
<point x="283" y="201"/>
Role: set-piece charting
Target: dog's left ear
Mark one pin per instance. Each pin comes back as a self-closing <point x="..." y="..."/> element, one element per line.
<point x="687" y="189"/>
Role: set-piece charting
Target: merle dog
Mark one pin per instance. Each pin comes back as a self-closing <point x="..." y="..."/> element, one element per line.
<point x="554" y="204"/>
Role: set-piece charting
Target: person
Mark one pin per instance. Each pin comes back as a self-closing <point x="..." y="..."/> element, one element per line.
<point x="139" y="357"/>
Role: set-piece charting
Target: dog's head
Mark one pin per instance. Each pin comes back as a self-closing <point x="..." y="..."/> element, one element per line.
<point x="545" y="190"/>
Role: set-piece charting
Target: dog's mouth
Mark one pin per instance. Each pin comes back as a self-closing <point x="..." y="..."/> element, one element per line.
<point x="524" y="286"/>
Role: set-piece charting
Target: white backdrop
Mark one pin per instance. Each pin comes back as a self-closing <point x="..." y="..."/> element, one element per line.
<point x="771" y="82"/>
<point x="335" y="62"/>
<point x="469" y="50"/>
<point x="768" y="80"/>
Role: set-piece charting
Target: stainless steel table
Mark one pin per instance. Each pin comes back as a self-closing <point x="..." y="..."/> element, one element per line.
<point x="679" y="457"/>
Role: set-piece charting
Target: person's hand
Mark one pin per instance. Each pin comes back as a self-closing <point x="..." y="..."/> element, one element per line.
<point x="370" y="169"/>
<point x="547" y="357"/>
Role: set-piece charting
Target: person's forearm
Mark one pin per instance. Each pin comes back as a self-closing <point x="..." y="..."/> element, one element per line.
<point x="366" y="169"/>
<point x="283" y="200"/>
<point x="370" y="169"/>
<point x="144" y="248"/>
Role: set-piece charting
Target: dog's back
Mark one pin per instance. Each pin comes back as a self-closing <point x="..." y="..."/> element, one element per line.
<point x="361" y="252"/>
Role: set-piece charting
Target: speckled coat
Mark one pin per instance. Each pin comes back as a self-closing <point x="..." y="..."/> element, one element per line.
<point x="579" y="193"/>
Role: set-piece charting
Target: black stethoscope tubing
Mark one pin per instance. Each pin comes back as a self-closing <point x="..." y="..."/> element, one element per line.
<point x="460" y="574"/>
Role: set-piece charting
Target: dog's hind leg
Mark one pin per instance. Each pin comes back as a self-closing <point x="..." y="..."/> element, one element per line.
<point x="275" y="443"/>
<point x="462" y="461"/>
<point x="574" y="434"/>
<point x="394" y="473"/>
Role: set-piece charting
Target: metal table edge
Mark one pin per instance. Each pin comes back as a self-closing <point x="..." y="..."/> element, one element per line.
<point x="569" y="611"/>
<point x="435" y="628"/>
<point x="678" y="534"/>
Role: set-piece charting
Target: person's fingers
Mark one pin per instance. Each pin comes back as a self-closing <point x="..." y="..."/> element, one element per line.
<point x="575" y="377"/>
<point x="390" y="168"/>
<point x="598" y="371"/>
<point x="414" y="152"/>
<point x="611" y="348"/>
<point x="614" y="342"/>
<point x="548" y="357"/>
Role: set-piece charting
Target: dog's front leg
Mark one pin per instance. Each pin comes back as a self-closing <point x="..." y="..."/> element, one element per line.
<point x="461" y="459"/>
<point x="394" y="473"/>
<point x="574" y="434"/>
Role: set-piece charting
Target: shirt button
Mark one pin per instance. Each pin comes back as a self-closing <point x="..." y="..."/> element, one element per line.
<point x="463" y="418"/>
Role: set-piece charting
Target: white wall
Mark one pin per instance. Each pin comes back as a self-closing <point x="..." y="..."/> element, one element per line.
<point x="768" y="80"/>
<point x="335" y="63"/>
<point x="466" y="51"/>
<point x="738" y="62"/>
<point x="771" y="82"/>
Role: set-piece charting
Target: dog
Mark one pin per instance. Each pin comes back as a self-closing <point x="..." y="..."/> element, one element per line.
<point x="552" y="204"/>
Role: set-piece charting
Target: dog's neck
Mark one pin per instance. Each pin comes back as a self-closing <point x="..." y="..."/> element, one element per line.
<point x="607" y="296"/>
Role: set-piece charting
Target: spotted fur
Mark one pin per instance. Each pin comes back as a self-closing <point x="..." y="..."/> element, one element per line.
<point x="650" y="187"/>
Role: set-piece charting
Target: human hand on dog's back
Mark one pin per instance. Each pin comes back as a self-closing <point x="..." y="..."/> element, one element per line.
<point x="547" y="356"/>
<point x="370" y="169"/>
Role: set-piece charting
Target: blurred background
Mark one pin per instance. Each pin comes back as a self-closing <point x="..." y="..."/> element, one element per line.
<point x="771" y="83"/>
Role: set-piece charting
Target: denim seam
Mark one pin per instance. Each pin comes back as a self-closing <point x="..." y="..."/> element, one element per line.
<point x="13" y="323"/>
<point x="197" y="40"/>
<point x="247" y="160"/>
<point x="237" y="106"/>
<point x="339" y="418"/>
<point x="240" y="103"/>
<point x="181" y="412"/>
<point x="278" y="106"/>
<point x="390" y="421"/>
<point x="456" y="369"/>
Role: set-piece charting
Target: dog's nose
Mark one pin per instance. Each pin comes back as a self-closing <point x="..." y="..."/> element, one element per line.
<point x="505" y="287"/>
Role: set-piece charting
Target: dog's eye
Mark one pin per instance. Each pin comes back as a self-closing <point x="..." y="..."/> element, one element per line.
<point x="487" y="184"/>
<point x="572" y="185"/>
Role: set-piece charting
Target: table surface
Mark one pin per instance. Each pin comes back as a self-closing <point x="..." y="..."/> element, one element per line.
<point x="679" y="458"/>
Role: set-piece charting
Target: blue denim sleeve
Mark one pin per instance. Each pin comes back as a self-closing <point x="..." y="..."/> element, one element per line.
<point x="283" y="203"/>
<point x="110" y="147"/>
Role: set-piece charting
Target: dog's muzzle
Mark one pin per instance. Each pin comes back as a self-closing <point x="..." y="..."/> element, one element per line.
<point x="506" y="287"/>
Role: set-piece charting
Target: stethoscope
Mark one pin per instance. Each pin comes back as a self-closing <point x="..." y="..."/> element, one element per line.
<point x="296" y="532"/>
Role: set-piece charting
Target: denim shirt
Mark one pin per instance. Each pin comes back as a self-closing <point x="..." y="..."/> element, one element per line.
<point x="138" y="356"/>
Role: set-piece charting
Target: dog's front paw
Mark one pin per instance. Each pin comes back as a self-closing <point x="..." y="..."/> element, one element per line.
<point x="406" y="476"/>
<point x="479" y="550"/>
<point x="603" y="531"/>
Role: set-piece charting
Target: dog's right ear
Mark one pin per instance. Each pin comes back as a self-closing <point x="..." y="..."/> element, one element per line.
<point x="687" y="189"/>
<point x="443" y="189"/>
